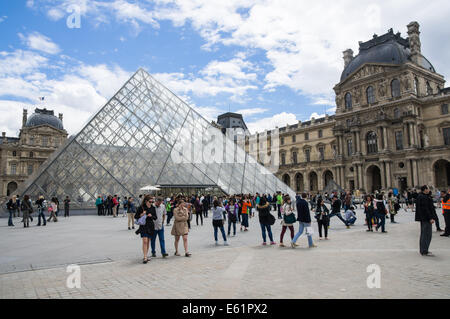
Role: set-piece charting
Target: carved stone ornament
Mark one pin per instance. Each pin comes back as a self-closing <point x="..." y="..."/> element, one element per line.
<point x="406" y="81"/>
<point x="382" y="89"/>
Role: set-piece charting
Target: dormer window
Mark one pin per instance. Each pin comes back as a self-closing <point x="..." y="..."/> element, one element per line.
<point x="348" y="101"/>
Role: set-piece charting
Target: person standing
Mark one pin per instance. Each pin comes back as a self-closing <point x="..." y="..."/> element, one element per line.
<point x="380" y="213"/>
<point x="146" y="227"/>
<point x="11" y="206"/>
<point x="99" y="203"/>
<point x="125" y="206"/>
<point x="52" y="210"/>
<point x="424" y="215"/>
<point x="115" y="204"/>
<point x="27" y="210"/>
<point x="217" y="221"/>
<point x="198" y="210"/>
<point x="205" y="209"/>
<point x="322" y="217"/>
<point x="244" y="214"/>
<point x="66" y="206"/>
<point x="40" y="203"/>
<point x="160" y="210"/>
<point x="266" y="219"/>
<point x="435" y="216"/>
<point x="232" y="211"/>
<point x="131" y="212"/>
<point x="180" y="227"/>
<point x="289" y="219"/>
<point x="446" y="211"/>
<point x="304" y="219"/>
<point x="369" y="211"/>
<point x="279" y="204"/>
<point x="169" y="210"/>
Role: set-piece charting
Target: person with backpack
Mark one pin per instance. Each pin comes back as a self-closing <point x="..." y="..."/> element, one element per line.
<point x="159" y="209"/>
<point x="27" y="210"/>
<point x="266" y="219"/>
<point x="322" y="216"/>
<point x="41" y="205"/>
<point x="145" y="219"/>
<point x="289" y="219"/>
<point x="232" y="211"/>
<point x="131" y="212"/>
<point x="380" y="212"/>
<point x="304" y="219"/>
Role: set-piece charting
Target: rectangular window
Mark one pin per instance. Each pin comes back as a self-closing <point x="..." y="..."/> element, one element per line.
<point x="294" y="138"/>
<point x="294" y="157"/>
<point x="306" y="136"/>
<point x="31" y="140"/>
<point x="399" y="140"/>
<point x="13" y="169"/>
<point x="44" y="140"/>
<point x="444" y="109"/>
<point x="308" y="156"/>
<point x="446" y="135"/>
<point x="320" y="133"/>
<point x="283" y="159"/>
<point x="282" y="141"/>
<point x="30" y="169"/>
<point x="350" y="147"/>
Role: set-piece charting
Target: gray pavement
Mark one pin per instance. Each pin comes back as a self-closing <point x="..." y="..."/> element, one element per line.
<point x="33" y="262"/>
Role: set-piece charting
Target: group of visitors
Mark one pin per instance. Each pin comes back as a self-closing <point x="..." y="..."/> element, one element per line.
<point x="16" y="206"/>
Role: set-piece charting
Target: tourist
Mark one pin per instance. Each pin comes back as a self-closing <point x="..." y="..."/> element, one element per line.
<point x="266" y="219"/>
<point x="99" y="204"/>
<point x="115" y="204"/>
<point x="205" y="209"/>
<point x="56" y="201"/>
<point x="289" y="219"/>
<point x="66" y="206"/>
<point x="435" y="216"/>
<point x="180" y="227"/>
<point x="232" y="210"/>
<point x="131" y="212"/>
<point x="347" y="201"/>
<point x="304" y="219"/>
<point x="424" y="215"/>
<point x="350" y="216"/>
<point x="146" y="224"/>
<point x="279" y="204"/>
<point x="369" y="210"/>
<point x="380" y="213"/>
<point x="244" y="214"/>
<point x="159" y="209"/>
<point x="125" y="207"/>
<point x="52" y="208"/>
<point x="217" y="222"/>
<point x="446" y="211"/>
<point x="169" y="210"/>
<point x="27" y="210"/>
<point x="41" y="205"/>
<point x="336" y="209"/>
<point x="18" y="206"/>
<point x="11" y="206"/>
<point x="393" y="208"/>
<point x="322" y="216"/>
<point x="198" y="207"/>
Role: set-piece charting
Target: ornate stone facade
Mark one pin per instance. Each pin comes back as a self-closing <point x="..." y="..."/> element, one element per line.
<point x="41" y="134"/>
<point x="391" y="128"/>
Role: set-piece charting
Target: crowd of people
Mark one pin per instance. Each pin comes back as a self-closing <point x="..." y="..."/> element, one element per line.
<point x="151" y="213"/>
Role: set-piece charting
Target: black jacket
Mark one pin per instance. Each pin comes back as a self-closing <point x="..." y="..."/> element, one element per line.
<point x="304" y="215"/>
<point x="264" y="214"/>
<point x="336" y="206"/>
<point x="149" y="226"/>
<point x="424" y="208"/>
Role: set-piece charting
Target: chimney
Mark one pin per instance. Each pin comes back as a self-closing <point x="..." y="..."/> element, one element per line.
<point x="414" y="41"/>
<point x="5" y="140"/>
<point x="60" y="115"/>
<point x="348" y="56"/>
<point x="24" y="118"/>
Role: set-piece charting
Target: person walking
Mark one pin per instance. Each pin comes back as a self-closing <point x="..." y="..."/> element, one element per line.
<point x="125" y="206"/>
<point x="146" y="228"/>
<point x="180" y="227"/>
<point x="40" y="203"/>
<point x="446" y="211"/>
<point x="336" y="209"/>
<point x="198" y="207"/>
<point x="66" y="206"/>
<point x="232" y="211"/>
<point x="244" y="214"/>
<point x="131" y="212"/>
<point x="279" y="204"/>
<point x="217" y="221"/>
<point x="424" y="215"/>
<point x="160" y="210"/>
<point x="289" y="219"/>
<point x="266" y="219"/>
<point x="205" y="209"/>
<point x="304" y="219"/>
<point x="369" y="210"/>
<point x="52" y="211"/>
<point x="11" y="206"/>
<point x="322" y="216"/>
<point x="27" y="210"/>
<point x="169" y="210"/>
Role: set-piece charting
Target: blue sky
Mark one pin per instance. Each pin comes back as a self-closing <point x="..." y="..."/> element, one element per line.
<point x="274" y="61"/>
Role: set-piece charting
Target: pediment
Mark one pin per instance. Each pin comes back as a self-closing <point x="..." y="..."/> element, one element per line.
<point x="369" y="69"/>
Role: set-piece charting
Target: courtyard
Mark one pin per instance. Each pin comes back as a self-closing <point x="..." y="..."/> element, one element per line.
<point x="33" y="262"/>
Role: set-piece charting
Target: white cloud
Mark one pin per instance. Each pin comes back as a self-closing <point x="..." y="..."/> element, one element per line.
<point x="252" y="111"/>
<point x="37" y="41"/>
<point x="20" y="62"/>
<point x="3" y="18"/>
<point x="269" y="123"/>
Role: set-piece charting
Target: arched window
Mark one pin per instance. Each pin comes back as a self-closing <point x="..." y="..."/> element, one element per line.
<point x="372" y="146"/>
<point x="31" y="154"/>
<point x="396" y="113"/>
<point x="395" y="88"/>
<point x="348" y="101"/>
<point x="370" y="95"/>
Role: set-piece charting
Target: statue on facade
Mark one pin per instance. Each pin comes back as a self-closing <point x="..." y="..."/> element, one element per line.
<point x="382" y="89"/>
<point x="406" y="81"/>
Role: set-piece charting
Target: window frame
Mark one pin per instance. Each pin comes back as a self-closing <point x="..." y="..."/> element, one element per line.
<point x="399" y="141"/>
<point x="370" y="97"/>
<point x="348" y="101"/>
<point x="396" y="88"/>
<point x="372" y="142"/>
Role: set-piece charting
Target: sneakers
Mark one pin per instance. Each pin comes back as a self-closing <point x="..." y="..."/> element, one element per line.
<point x="312" y="246"/>
<point x="282" y="245"/>
<point x="293" y="245"/>
<point x="445" y="235"/>
<point x="226" y="244"/>
<point x="165" y="255"/>
<point x="217" y="243"/>
<point x="428" y="254"/>
<point x="264" y="243"/>
<point x="273" y="243"/>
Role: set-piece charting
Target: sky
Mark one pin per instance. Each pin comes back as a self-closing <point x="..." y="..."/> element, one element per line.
<point x="274" y="61"/>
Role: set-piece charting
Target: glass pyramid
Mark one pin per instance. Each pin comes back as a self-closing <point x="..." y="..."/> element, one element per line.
<point x="146" y="135"/>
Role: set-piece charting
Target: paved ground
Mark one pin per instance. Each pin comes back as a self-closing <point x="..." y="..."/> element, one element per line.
<point x="33" y="263"/>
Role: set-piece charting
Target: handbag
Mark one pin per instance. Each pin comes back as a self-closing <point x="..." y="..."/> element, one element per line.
<point x="141" y="220"/>
<point x="290" y="219"/>
<point x="309" y="231"/>
<point x="271" y="219"/>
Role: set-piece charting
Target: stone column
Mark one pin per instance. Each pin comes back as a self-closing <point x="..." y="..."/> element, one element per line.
<point x="415" y="173"/>
<point x="383" y="176"/>
<point x="356" y="175"/>
<point x="409" y="171"/>
<point x="358" y="141"/>
<point x="360" y="176"/>
<point x="385" y="137"/>
<point x="320" y="180"/>
<point x="411" y="135"/>
<point x="306" y="182"/>
<point x="407" y="134"/>
<point x="388" y="174"/>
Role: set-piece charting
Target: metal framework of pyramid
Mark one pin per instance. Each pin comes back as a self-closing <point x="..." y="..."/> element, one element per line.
<point x="129" y="144"/>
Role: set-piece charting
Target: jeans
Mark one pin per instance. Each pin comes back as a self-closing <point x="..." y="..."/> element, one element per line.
<point x="279" y="211"/>
<point x="160" y="234"/>
<point x="369" y="217"/>
<point x="339" y="216"/>
<point x="169" y="217"/>
<point x="381" y="221"/>
<point x="197" y="215"/>
<point x="425" y="236"/>
<point x="244" y="220"/>
<point x="321" y="223"/>
<point x="222" y="230"/>
<point x="10" y="220"/>
<point x="269" y="231"/>
<point x="283" y="230"/>
<point x="302" y="226"/>
<point x="229" y="227"/>
<point x="351" y="220"/>
<point x="447" y="223"/>
<point x="41" y="215"/>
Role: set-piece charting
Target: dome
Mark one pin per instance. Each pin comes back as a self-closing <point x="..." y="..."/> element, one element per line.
<point x="44" y="117"/>
<point x="387" y="49"/>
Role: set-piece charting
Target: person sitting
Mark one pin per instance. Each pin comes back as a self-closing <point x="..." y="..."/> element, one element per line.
<point x="350" y="216"/>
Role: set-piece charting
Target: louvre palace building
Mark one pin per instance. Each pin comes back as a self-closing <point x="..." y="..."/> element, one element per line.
<point x="391" y="128"/>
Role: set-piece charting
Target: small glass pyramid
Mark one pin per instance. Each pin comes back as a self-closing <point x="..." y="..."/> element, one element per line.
<point x="140" y="138"/>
